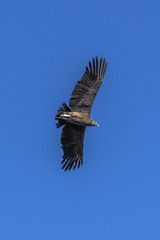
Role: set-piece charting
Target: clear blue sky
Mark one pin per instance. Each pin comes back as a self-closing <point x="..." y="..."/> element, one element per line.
<point x="45" y="46"/>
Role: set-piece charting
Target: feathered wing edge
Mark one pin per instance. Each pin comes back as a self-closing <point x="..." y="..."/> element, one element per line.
<point x="86" y="89"/>
<point x="72" y="144"/>
<point x="97" y="71"/>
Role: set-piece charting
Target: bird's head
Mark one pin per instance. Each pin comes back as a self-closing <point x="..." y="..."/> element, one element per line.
<point x="95" y="123"/>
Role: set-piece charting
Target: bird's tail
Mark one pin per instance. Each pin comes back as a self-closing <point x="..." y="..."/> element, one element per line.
<point x="62" y="110"/>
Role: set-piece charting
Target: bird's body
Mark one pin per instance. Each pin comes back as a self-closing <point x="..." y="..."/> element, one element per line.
<point x="76" y="117"/>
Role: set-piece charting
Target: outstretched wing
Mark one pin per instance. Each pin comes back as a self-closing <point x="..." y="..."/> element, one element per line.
<point x="72" y="143"/>
<point x="86" y="89"/>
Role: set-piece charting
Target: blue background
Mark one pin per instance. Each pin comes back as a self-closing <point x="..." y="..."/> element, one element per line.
<point x="45" y="46"/>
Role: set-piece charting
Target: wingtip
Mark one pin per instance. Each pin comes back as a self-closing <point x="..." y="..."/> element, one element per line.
<point x="71" y="163"/>
<point x="97" y="67"/>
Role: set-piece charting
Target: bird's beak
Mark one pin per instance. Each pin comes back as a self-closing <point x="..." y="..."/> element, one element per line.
<point x="95" y="124"/>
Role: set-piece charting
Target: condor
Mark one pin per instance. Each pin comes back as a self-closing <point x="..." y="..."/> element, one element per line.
<point x="76" y="117"/>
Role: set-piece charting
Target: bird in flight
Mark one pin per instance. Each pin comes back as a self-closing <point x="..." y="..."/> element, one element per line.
<point x="76" y="117"/>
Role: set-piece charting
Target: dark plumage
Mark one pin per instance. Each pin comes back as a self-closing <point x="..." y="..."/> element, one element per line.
<point x="76" y="117"/>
